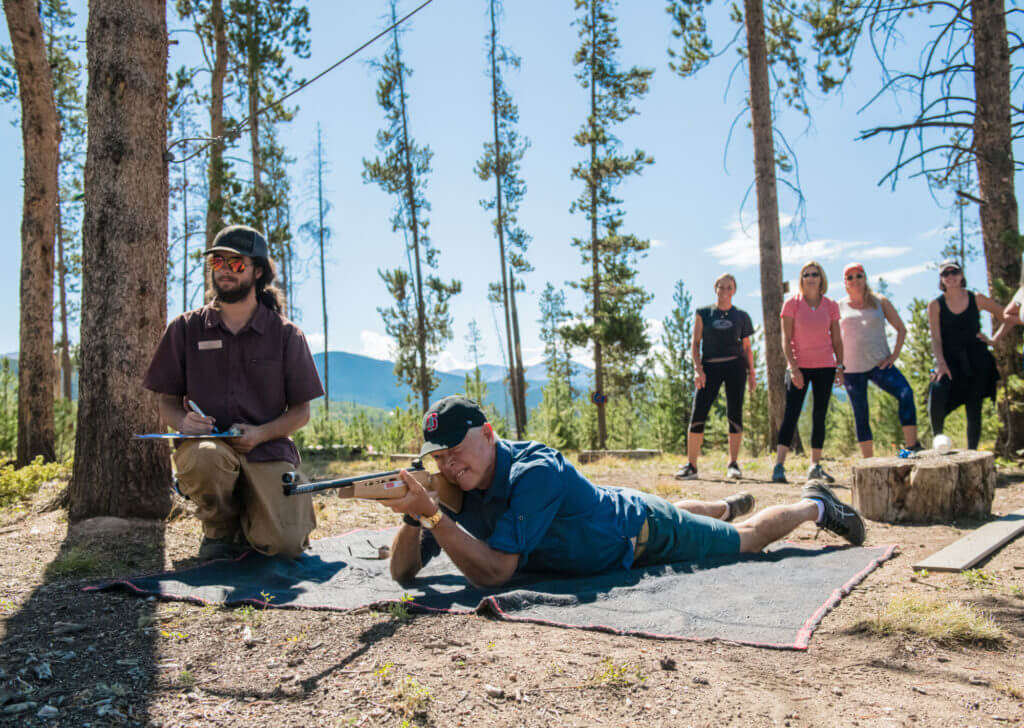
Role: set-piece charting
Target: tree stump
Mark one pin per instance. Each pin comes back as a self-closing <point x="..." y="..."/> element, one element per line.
<point x="926" y="489"/>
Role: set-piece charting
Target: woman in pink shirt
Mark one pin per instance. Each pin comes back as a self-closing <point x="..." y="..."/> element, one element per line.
<point x="813" y="348"/>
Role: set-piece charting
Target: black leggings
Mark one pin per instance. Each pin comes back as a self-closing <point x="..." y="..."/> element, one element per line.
<point x="938" y="394"/>
<point x="821" y="379"/>
<point x="734" y="374"/>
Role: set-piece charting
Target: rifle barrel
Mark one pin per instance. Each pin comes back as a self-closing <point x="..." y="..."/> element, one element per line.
<point x="291" y="487"/>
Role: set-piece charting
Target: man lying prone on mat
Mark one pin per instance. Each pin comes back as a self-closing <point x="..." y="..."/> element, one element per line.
<point x="526" y="507"/>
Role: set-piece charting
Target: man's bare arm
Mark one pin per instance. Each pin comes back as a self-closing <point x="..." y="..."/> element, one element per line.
<point x="405" y="554"/>
<point x="290" y="420"/>
<point x="174" y="415"/>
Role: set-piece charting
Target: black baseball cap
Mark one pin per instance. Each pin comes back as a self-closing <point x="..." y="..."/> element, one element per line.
<point x="240" y="239"/>
<point x="447" y="422"/>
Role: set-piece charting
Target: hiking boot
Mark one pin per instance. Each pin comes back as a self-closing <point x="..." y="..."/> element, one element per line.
<point x="739" y="504"/>
<point x="779" y="474"/>
<point x="687" y="472"/>
<point x="839" y="518"/>
<point x="816" y="472"/>
<point x="733" y="471"/>
<point x="211" y="549"/>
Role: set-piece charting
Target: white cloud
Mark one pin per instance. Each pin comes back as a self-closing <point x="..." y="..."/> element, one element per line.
<point x="883" y="251"/>
<point x="655" y="243"/>
<point x="376" y="346"/>
<point x="740" y="250"/>
<point x="756" y="293"/>
<point x="900" y="274"/>
<point x="315" y="341"/>
<point x="446" y="361"/>
<point x="932" y="233"/>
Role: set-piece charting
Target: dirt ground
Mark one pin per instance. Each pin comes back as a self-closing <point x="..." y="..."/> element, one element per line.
<point x="75" y="659"/>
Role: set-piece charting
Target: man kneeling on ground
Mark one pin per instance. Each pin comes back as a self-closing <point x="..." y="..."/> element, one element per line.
<point x="525" y="506"/>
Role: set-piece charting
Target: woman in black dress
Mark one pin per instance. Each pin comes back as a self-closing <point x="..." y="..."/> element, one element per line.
<point x="965" y="370"/>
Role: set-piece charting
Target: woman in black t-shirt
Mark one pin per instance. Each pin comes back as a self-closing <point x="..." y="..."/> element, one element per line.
<point x="721" y="353"/>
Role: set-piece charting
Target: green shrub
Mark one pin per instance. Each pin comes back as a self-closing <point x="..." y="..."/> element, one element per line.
<point x="20" y="483"/>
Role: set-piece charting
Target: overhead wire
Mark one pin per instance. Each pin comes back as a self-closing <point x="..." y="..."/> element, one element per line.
<point x="210" y="141"/>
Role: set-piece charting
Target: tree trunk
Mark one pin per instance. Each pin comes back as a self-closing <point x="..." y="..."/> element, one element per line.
<point x="215" y="206"/>
<point x="62" y="286"/>
<point x="188" y="232"/>
<point x="123" y="316"/>
<point x="259" y="221"/>
<point x="928" y="489"/>
<point x="770" y="245"/>
<point x="410" y="193"/>
<point x="513" y="379"/>
<point x="520" y="376"/>
<point x="595" y="252"/>
<point x="40" y="134"/>
<point x="323" y="268"/>
<point x="993" y="147"/>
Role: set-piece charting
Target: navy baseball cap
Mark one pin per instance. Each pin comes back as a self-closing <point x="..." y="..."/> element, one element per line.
<point x="240" y="239"/>
<point x="447" y="422"/>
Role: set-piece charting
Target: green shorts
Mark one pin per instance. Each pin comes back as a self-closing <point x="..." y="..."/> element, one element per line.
<point x="676" y="535"/>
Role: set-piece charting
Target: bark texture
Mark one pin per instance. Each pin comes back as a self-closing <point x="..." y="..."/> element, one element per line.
<point x="933" y="489"/>
<point x="40" y="133"/>
<point x="769" y="238"/>
<point x="993" y="146"/>
<point x="215" y="207"/>
<point x="124" y="307"/>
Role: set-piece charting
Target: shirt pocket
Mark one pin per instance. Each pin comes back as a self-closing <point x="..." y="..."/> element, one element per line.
<point x="267" y="377"/>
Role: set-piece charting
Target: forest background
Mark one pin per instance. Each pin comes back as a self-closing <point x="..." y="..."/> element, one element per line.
<point x="694" y="205"/>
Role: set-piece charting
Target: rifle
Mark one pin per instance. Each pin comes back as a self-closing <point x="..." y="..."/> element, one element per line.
<point x="380" y="486"/>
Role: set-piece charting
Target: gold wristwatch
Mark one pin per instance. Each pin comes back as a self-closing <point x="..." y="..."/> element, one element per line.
<point x="430" y="522"/>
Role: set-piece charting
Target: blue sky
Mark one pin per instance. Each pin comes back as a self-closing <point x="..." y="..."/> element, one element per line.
<point x="687" y="203"/>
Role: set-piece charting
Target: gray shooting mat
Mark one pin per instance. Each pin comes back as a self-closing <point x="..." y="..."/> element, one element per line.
<point x="773" y="599"/>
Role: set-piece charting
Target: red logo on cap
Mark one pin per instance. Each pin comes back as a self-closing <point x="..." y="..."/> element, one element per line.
<point x="431" y="424"/>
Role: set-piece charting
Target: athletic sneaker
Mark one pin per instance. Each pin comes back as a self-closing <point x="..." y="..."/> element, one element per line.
<point x="839" y="518"/>
<point x="687" y="472"/>
<point x="779" y="474"/>
<point x="816" y="472"/>
<point x="733" y="471"/>
<point x="916" y="447"/>
<point x="740" y="504"/>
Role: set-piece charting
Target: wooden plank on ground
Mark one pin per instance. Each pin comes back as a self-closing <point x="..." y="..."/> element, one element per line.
<point x="975" y="546"/>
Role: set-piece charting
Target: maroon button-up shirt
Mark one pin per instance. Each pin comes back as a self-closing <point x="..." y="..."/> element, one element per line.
<point x="250" y="377"/>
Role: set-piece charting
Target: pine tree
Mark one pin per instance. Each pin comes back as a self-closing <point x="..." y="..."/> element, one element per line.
<point x="125" y="220"/>
<point x="613" y="323"/>
<point x="40" y="132"/>
<point x="317" y="230"/>
<point x="261" y="37"/>
<point x="553" y="422"/>
<point x="501" y="160"/>
<point x="420" y="320"/>
<point x="673" y="387"/>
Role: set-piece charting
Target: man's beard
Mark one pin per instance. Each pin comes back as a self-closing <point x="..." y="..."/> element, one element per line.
<point x="233" y="296"/>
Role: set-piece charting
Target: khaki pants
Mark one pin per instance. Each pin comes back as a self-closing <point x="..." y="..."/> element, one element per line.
<point x="231" y="493"/>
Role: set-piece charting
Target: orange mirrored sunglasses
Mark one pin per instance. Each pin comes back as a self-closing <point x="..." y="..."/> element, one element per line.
<point x="237" y="265"/>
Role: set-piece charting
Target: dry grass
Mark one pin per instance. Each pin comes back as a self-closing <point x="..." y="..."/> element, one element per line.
<point x="936" y="619"/>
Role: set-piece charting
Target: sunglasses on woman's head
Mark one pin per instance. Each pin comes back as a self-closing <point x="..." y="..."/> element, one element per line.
<point x="854" y="276"/>
<point x="236" y="264"/>
<point x="811" y="274"/>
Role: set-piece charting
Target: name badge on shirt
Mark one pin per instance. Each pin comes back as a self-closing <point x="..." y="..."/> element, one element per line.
<point x="211" y="344"/>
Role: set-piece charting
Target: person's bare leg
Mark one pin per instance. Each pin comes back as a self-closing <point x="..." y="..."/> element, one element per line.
<point x="867" y="448"/>
<point x="711" y="509"/>
<point x="735" y="440"/>
<point x="780" y="458"/>
<point x="694" y="441"/>
<point x="773" y="523"/>
<point x="909" y="435"/>
<point x="815" y="455"/>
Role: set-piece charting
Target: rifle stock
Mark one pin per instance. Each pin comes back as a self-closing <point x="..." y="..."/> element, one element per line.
<point x="380" y="486"/>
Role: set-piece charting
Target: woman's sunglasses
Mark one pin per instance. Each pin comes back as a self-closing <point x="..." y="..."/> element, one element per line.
<point x="854" y="276"/>
<point x="237" y="265"/>
<point x="811" y="274"/>
<point x="948" y="272"/>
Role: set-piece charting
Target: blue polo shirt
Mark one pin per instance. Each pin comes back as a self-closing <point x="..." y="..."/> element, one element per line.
<point x="540" y="507"/>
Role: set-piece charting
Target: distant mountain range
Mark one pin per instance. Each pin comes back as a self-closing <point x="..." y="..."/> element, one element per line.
<point x="372" y="383"/>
